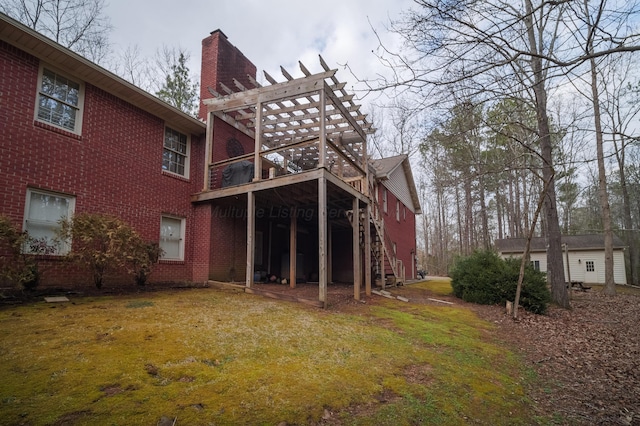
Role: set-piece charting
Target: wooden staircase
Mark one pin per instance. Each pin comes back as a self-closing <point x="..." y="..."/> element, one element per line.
<point x="386" y="264"/>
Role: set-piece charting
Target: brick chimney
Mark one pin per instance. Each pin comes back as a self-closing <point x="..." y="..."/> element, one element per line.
<point x="221" y="63"/>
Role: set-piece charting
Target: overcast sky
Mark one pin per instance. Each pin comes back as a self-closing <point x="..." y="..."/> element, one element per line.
<point x="269" y="32"/>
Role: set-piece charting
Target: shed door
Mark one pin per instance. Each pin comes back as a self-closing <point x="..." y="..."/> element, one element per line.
<point x="590" y="273"/>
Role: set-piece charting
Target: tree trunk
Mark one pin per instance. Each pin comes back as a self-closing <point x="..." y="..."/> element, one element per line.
<point x="603" y="195"/>
<point x="499" y="214"/>
<point x="468" y="216"/>
<point x="555" y="270"/>
<point x="486" y="242"/>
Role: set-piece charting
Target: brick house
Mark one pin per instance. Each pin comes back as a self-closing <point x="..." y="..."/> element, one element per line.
<point x="257" y="185"/>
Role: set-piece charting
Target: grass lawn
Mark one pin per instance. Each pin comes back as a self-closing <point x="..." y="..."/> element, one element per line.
<point x="206" y="356"/>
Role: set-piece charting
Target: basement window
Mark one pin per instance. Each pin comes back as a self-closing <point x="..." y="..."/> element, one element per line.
<point x="172" y="238"/>
<point x="59" y="101"/>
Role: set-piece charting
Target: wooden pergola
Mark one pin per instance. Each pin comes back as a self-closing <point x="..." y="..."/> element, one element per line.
<point x="312" y="138"/>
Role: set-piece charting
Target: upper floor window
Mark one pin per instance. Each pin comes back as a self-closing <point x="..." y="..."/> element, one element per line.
<point x="59" y="101"/>
<point x="43" y="211"/>
<point x="176" y="152"/>
<point x="398" y="210"/>
<point x="384" y="200"/>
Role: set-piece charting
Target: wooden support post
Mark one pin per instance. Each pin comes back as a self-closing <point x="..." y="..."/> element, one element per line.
<point x="293" y="249"/>
<point x="367" y="250"/>
<point x="566" y="255"/>
<point x="208" y="149"/>
<point x="329" y="252"/>
<point x="357" y="265"/>
<point x="383" y="254"/>
<point x="257" y="163"/>
<point x="322" y="239"/>
<point x="269" y="247"/>
<point x="251" y="228"/>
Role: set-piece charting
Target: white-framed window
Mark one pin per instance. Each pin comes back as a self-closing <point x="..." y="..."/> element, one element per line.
<point x="590" y="265"/>
<point x="59" y="100"/>
<point x="397" y="210"/>
<point x="172" y="237"/>
<point x="384" y="200"/>
<point x="175" y="156"/>
<point x="42" y="213"/>
<point x="535" y="264"/>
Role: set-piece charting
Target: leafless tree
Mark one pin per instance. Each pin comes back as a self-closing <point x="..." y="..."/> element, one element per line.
<point x="499" y="49"/>
<point x="79" y="25"/>
<point x="622" y="108"/>
<point x="602" y="26"/>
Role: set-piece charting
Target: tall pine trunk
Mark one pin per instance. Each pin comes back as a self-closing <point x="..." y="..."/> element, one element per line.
<point x="555" y="269"/>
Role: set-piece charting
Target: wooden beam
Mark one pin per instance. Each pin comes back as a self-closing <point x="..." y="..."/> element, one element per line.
<point x="338" y="104"/>
<point x="251" y="228"/>
<point x="367" y="250"/>
<point x="235" y="123"/>
<point x="287" y="90"/>
<point x="207" y="152"/>
<point x="293" y="249"/>
<point x="346" y="157"/>
<point x="322" y="239"/>
<point x="357" y="266"/>
<point x="329" y="252"/>
<point x="257" y="164"/>
<point x="276" y="182"/>
<point x="322" y="151"/>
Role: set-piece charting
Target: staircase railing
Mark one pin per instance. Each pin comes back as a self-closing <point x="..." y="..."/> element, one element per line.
<point x="387" y="244"/>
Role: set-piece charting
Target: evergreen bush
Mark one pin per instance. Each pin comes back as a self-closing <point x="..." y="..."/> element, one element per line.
<point x="487" y="279"/>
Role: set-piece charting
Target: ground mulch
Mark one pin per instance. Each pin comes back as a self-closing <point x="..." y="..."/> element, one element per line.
<point x="587" y="358"/>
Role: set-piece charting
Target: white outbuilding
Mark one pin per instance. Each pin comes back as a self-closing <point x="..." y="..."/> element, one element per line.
<point x="585" y="254"/>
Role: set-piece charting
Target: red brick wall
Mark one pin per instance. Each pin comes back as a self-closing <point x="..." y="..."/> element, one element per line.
<point x="221" y="63"/>
<point x="402" y="232"/>
<point x="113" y="167"/>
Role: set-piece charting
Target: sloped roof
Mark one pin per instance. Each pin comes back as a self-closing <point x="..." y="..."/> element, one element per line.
<point x="384" y="167"/>
<point x="573" y="242"/>
<point x="45" y="49"/>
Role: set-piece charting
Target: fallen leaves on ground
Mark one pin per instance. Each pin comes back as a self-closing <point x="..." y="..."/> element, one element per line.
<point x="587" y="358"/>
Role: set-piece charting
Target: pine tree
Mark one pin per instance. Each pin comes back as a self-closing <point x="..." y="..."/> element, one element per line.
<point x="178" y="88"/>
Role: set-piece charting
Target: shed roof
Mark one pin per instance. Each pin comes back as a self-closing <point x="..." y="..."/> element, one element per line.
<point x="573" y="242"/>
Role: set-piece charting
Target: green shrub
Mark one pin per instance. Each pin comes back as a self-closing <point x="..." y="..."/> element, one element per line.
<point x="102" y="243"/>
<point x="487" y="279"/>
